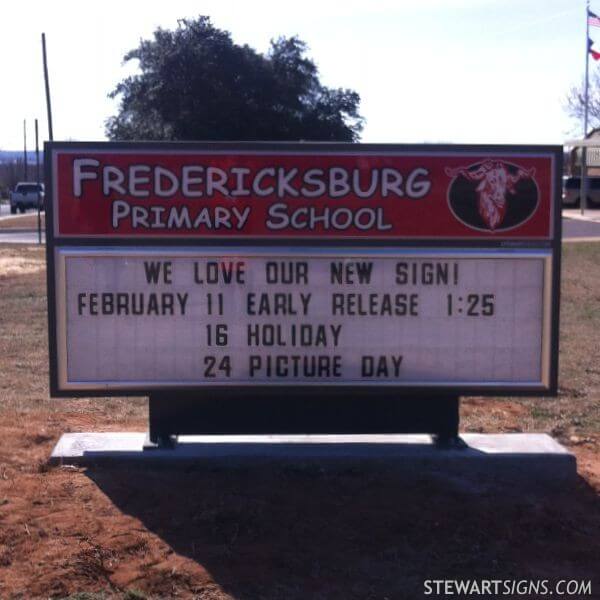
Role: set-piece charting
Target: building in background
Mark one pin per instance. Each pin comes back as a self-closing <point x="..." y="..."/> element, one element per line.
<point x="572" y="165"/>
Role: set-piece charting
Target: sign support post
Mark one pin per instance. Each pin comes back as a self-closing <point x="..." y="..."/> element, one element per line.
<point x="172" y="415"/>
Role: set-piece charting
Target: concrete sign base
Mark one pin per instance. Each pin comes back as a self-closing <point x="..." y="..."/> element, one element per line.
<point x="536" y="456"/>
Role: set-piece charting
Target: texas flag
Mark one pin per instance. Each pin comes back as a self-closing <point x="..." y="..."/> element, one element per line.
<point x="595" y="54"/>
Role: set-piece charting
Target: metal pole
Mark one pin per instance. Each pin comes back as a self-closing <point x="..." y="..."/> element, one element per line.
<point x="39" y="196"/>
<point x="47" y="83"/>
<point x="584" y="182"/>
<point x="24" y="150"/>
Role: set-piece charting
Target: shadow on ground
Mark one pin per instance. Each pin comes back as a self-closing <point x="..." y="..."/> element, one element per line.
<point x="313" y="532"/>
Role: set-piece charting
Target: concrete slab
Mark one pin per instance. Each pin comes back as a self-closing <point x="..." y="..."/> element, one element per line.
<point x="533" y="455"/>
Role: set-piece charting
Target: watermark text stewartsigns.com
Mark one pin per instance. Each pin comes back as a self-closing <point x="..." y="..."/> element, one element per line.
<point x="506" y="587"/>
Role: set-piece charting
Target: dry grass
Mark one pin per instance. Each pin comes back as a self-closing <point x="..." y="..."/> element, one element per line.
<point x="23" y="327"/>
<point x="24" y="344"/>
<point x="26" y="221"/>
<point x="19" y="265"/>
<point x="575" y="414"/>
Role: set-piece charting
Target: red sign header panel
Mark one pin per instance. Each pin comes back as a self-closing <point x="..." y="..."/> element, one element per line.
<point x="360" y="192"/>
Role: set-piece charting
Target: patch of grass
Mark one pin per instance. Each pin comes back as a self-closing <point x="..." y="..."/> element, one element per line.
<point x="591" y="313"/>
<point x="540" y="412"/>
<point x="86" y="596"/>
<point x="127" y="595"/>
<point x="134" y="595"/>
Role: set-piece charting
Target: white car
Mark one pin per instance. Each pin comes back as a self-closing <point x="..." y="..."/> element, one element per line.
<point x="27" y="195"/>
<point x="572" y="192"/>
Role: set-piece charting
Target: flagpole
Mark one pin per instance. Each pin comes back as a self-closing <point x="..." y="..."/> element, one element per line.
<point x="583" y="195"/>
<point x="587" y="64"/>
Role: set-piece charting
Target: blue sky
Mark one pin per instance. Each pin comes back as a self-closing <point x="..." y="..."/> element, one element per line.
<point x="455" y="71"/>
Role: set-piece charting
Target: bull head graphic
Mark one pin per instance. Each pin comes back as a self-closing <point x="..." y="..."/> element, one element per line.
<point x="495" y="182"/>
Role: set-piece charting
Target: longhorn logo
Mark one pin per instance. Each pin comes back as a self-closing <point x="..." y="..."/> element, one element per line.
<point x="491" y="182"/>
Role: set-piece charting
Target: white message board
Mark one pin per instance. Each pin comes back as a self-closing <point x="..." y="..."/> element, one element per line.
<point x="169" y="317"/>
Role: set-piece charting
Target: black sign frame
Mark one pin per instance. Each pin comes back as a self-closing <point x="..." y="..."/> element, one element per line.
<point x="244" y="393"/>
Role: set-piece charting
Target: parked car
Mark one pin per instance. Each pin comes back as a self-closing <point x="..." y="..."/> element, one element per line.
<point x="27" y="195"/>
<point x="572" y="192"/>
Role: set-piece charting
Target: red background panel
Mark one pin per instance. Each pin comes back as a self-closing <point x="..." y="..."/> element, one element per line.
<point x="428" y="217"/>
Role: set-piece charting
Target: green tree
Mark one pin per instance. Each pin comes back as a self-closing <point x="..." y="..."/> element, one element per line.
<point x="195" y="83"/>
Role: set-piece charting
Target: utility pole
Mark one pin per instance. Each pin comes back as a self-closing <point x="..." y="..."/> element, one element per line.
<point x="24" y="150"/>
<point x="39" y="195"/>
<point x="47" y="84"/>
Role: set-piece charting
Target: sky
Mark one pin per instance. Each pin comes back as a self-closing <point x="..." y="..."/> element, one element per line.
<point x="431" y="71"/>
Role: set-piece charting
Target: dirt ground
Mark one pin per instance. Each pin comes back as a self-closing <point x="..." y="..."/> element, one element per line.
<point x="288" y="531"/>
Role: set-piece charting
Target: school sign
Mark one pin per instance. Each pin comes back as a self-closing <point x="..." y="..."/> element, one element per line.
<point x="301" y="266"/>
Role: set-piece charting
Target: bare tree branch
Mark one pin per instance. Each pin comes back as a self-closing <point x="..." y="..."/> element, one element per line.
<point x="575" y="102"/>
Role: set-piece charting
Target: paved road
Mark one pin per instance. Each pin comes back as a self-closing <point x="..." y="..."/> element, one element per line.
<point x="6" y="214"/>
<point x="19" y="237"/>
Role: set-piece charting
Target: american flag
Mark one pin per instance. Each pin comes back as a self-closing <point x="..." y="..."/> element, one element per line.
<point x="593" y="19"/>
